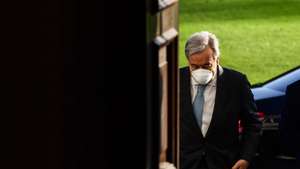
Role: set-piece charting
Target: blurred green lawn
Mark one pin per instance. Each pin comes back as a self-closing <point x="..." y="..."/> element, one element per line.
<point x="260" y="38"/>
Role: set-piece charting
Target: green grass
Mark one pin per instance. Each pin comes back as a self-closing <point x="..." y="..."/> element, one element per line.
<point x="260" y="38"/>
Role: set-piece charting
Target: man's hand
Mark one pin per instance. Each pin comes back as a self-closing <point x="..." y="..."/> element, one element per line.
<point x="241" y="164"/>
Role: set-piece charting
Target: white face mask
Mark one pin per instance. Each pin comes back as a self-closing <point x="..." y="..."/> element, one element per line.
<point x="202" y="76"/>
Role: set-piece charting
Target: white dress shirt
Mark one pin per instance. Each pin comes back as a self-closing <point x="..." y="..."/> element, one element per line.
<point x="209" y="100"/>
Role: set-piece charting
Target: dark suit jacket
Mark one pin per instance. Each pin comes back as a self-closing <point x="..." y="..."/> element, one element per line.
<point x="221" y="147"/>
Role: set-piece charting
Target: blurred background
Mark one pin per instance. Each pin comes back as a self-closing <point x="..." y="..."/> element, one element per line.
<point x="257" y="37"/>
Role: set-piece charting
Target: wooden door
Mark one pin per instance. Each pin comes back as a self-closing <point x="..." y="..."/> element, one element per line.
<point x="163" y="33"/>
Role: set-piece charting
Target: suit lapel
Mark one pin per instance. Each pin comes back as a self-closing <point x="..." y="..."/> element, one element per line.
<point x="186" y="92"/>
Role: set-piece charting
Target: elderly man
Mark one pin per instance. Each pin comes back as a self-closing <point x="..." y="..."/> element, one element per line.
<point x="212" y="101"/>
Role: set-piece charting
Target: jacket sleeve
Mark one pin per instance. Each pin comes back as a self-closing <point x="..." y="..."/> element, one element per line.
<point x="250" y="121"/>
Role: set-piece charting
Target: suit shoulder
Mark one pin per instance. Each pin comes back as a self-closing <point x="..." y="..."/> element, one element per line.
<point x="233" y="73"/>
<point x="236" y="77"/>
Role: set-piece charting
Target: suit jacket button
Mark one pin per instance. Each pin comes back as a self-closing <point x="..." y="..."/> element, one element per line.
<point x="203" y="153"/>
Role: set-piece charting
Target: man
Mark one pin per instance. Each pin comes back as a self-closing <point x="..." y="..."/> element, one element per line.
<point x="212" y="101"/>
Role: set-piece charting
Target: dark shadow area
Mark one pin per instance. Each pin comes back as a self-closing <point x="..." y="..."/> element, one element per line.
<point x="74" y="85"/>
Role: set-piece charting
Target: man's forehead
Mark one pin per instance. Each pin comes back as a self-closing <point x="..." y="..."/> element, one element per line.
<point x="201" y="57"/>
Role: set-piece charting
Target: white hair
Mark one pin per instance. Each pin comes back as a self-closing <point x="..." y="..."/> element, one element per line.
<point x="199" y="41"/>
